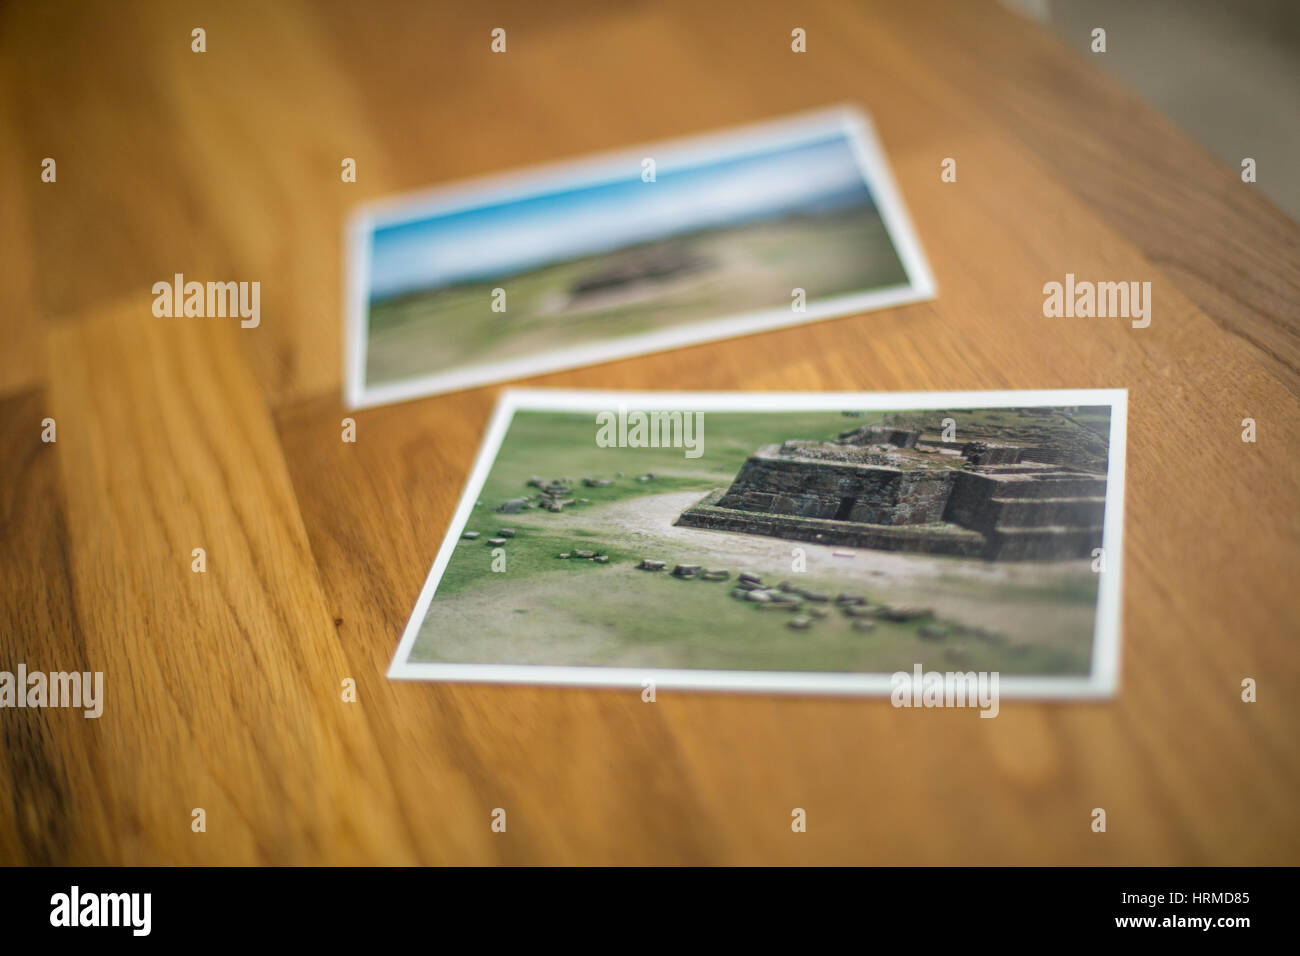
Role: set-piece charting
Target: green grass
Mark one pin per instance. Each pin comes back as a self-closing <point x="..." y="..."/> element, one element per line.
<point x="654" y="619"/>
<point x="532" y="550"/>
<point x="558" y="444"/>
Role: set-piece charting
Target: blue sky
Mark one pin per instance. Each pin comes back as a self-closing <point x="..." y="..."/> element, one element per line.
<point x="501" y="239"/>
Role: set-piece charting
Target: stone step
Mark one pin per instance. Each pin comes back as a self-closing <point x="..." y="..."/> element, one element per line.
<point x="1043" y="512"/>
<point x="938" y="538"/>
<point x="1053" y="542"/>
<point x="1049" y="529"/>
<point x="1050" y="486"/>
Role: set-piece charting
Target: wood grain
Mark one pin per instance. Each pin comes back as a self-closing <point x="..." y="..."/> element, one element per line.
<point x="223" y="688"/>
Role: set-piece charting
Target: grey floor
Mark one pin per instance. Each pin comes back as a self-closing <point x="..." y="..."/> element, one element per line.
<point x="1226" y="71"/>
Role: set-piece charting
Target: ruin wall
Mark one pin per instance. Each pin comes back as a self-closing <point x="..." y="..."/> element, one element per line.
<point x="839" y="491"/>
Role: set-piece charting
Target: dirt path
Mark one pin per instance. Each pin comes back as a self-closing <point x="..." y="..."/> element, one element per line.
<point x="650" y="520"/>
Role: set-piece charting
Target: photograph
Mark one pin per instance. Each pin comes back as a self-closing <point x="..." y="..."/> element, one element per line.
<point x="662" y="246"/>
<point x="811" y="542"/>
<point x="668" y="435"/>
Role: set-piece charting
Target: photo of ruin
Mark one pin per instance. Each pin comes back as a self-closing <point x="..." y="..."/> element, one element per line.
<point x="827" y="544"/>
<point x="1041" y="494"/>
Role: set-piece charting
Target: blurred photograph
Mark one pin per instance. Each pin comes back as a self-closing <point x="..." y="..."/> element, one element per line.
<point x="658" y="247"/>
<point x="801" y="542"/>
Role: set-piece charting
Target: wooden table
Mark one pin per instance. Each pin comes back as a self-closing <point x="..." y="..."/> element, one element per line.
<point x="223" y="689"/>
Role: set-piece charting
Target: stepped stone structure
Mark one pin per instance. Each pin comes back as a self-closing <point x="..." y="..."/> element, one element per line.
<point x="900" y="489"/>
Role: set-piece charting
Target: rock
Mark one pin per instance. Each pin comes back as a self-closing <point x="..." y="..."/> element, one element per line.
<point x="470" y="535"/>
<point x="896" y="612"/>
<point x="933" y="632"/>
<point x="863" y="625"/>
<point x="739" y="594"/>
<point x="596" y="482"/>
<point x="818" y="596"/>
<point x="686" y="570"/>
<point x="580" y="553"/>
<point x="750" y="586"/>
<point x="535" y="482"/>
<point x="860" y="611"/>
<point x="513" y="506"/>
<point x="799" y="623"/>
<point x="563" y="554"/>
<point x="847" y="599"/>
<point x="747" y="578"/>
<point x="761" y="597"/>
<point x="495" y="542"/>
<point x="715" y="575"/>
<point x="507" y="532"/>
<point x="789" y="586"/>
<point x="648" y="564"/>
<point x="601" y="559"/>
<point x="818" y="611"/>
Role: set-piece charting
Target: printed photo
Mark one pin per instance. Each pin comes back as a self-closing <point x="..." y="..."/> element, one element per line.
<point x="803" y="542"/>
<point x="657" y="247"/>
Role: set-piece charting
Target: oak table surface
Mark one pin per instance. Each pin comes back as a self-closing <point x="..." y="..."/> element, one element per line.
<point x="223" y="689"/>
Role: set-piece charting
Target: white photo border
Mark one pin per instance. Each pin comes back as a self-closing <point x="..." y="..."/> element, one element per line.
<point x="1102" y="680"/>
<point x="605" y="167"/>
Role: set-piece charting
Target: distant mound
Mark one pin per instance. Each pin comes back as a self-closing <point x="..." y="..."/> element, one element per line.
<point x="655" y="262"/>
